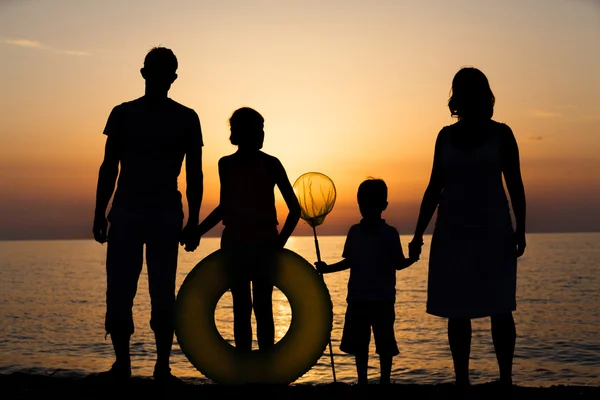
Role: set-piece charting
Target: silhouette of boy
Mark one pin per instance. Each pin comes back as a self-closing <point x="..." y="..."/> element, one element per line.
<point x="147" y="139"/>
<point x="373" y="254"/>
<point x="248" y="178"/>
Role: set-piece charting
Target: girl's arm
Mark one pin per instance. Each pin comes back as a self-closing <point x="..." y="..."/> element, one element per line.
<point x="216" y="215"/>
<point x="210" y="221"/>
<point x="287" y="191"/>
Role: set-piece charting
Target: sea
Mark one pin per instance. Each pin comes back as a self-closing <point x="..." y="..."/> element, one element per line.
<point x="52" y="302"/>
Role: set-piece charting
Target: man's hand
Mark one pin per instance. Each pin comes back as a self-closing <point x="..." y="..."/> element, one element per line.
<point x="190" y="237"/>
<point x="100" y="229"/>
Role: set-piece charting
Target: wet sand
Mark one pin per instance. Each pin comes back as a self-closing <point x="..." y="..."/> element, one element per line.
<point x="31" y="386"/>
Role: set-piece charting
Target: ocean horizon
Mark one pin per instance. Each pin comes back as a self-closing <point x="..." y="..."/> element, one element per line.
<point x="52" y="314"/>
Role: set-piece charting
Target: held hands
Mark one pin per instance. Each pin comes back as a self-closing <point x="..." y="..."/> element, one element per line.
<point x="190" y="236"/>
<point x="414" y="248"/>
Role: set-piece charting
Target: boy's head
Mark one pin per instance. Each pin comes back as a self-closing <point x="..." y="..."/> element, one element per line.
<point x="372" y="197"/>
<point x="247" y="128"/>
<point x="160" y="66"/>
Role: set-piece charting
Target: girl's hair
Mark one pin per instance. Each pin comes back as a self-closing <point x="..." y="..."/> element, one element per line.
<point x="244" y="120"/>
<point x="471" y="96"/>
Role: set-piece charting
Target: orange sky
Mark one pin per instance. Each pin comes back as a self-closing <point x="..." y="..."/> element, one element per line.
<point x="348" y="88"/>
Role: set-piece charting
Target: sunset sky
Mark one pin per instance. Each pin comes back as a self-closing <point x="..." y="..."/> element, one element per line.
<point x="348" y="88"/>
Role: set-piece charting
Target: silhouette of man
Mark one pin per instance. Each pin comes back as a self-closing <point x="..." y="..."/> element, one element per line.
<point x="148" y="139"/>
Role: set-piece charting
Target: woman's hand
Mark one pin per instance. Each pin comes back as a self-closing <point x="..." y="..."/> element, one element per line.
<point x="520" y="243"/>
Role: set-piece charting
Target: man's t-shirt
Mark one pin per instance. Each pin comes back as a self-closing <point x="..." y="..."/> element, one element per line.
<point x="373" y="251"/>
<point x="153" y="139"/>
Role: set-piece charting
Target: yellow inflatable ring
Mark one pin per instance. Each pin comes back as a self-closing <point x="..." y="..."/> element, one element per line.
<point x="290" y="358"/>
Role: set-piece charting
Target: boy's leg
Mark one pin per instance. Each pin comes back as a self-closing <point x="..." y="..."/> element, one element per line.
<point x="459" y="338"/>
<point x="385" y="368"/>
<point x="383" y="318"/>
<point x="362" y="363"/>
<point x="356" y="336"/>
<point x="504" y="335"/>
<point x="162" y="248"/>
<point x="124" y="259"/>
<point x="262" y="291"/>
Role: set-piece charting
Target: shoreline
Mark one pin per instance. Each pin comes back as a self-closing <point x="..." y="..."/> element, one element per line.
<point x="19" y="385"/>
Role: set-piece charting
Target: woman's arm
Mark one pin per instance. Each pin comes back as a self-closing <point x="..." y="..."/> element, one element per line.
<point x="511" y="168"/>
<point x="287" y="191"/>
<point x="431" y="196"/>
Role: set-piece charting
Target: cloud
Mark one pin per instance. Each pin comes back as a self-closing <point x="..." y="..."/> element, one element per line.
<point x="546" y="114"/>
<point x="536" y="138"/>
<point x="74" y="52"/>
<point x="25" y="43"/>
<point x="566" y="107"/>
<point x="34" y="44"/>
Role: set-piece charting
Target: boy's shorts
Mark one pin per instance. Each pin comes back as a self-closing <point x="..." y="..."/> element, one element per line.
<point x="360" y="318"/>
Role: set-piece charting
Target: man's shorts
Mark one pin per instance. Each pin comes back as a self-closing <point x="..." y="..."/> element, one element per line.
<point x="360" y="318"/>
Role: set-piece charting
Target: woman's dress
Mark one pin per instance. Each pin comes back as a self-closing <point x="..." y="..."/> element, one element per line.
<point x="472" y="263"/>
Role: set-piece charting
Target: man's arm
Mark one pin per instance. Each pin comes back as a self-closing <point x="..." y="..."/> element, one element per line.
<point x="194" y="185"/>
<point x="107" y="178"/>
<point x="193" y="172"/>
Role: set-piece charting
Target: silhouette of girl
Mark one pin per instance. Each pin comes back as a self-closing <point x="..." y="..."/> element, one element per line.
<point x="474" y="249"/>
<point x="247" y="209"/>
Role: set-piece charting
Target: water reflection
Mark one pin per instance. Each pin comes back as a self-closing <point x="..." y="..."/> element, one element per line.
<point x="52" y="312"/>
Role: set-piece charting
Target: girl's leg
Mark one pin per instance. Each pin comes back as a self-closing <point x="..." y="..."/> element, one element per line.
<point x="459" y="338"/>
<point x="242" y="313"/>
<point x="263" y="310"/>
<point x="504" y="335"/>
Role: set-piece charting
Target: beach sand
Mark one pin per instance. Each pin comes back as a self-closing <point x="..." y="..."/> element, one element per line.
<point x="31" y="386"/>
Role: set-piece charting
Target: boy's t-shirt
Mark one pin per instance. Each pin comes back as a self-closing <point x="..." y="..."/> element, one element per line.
<point x="374" y="251"/>
<point x="153" y="140"/>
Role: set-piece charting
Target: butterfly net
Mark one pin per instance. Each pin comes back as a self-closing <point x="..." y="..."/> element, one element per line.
<point x="316" y="195"/>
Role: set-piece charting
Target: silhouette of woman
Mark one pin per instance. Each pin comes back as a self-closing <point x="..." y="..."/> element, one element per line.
<point x="247" y="209"/>
<point x="474" y="249"/>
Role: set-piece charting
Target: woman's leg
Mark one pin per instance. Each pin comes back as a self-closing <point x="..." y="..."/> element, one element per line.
<point x="459" y="338"/>
<point x="504" y="335"/>
<point x="262" y="292"/>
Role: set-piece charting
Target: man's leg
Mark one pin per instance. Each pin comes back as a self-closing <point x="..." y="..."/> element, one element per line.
<point x="162" y="247"/>
<point x="124" y="261"/>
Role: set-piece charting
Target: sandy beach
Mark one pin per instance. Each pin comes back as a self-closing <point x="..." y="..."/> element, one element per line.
<point x="31" y="386"/>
